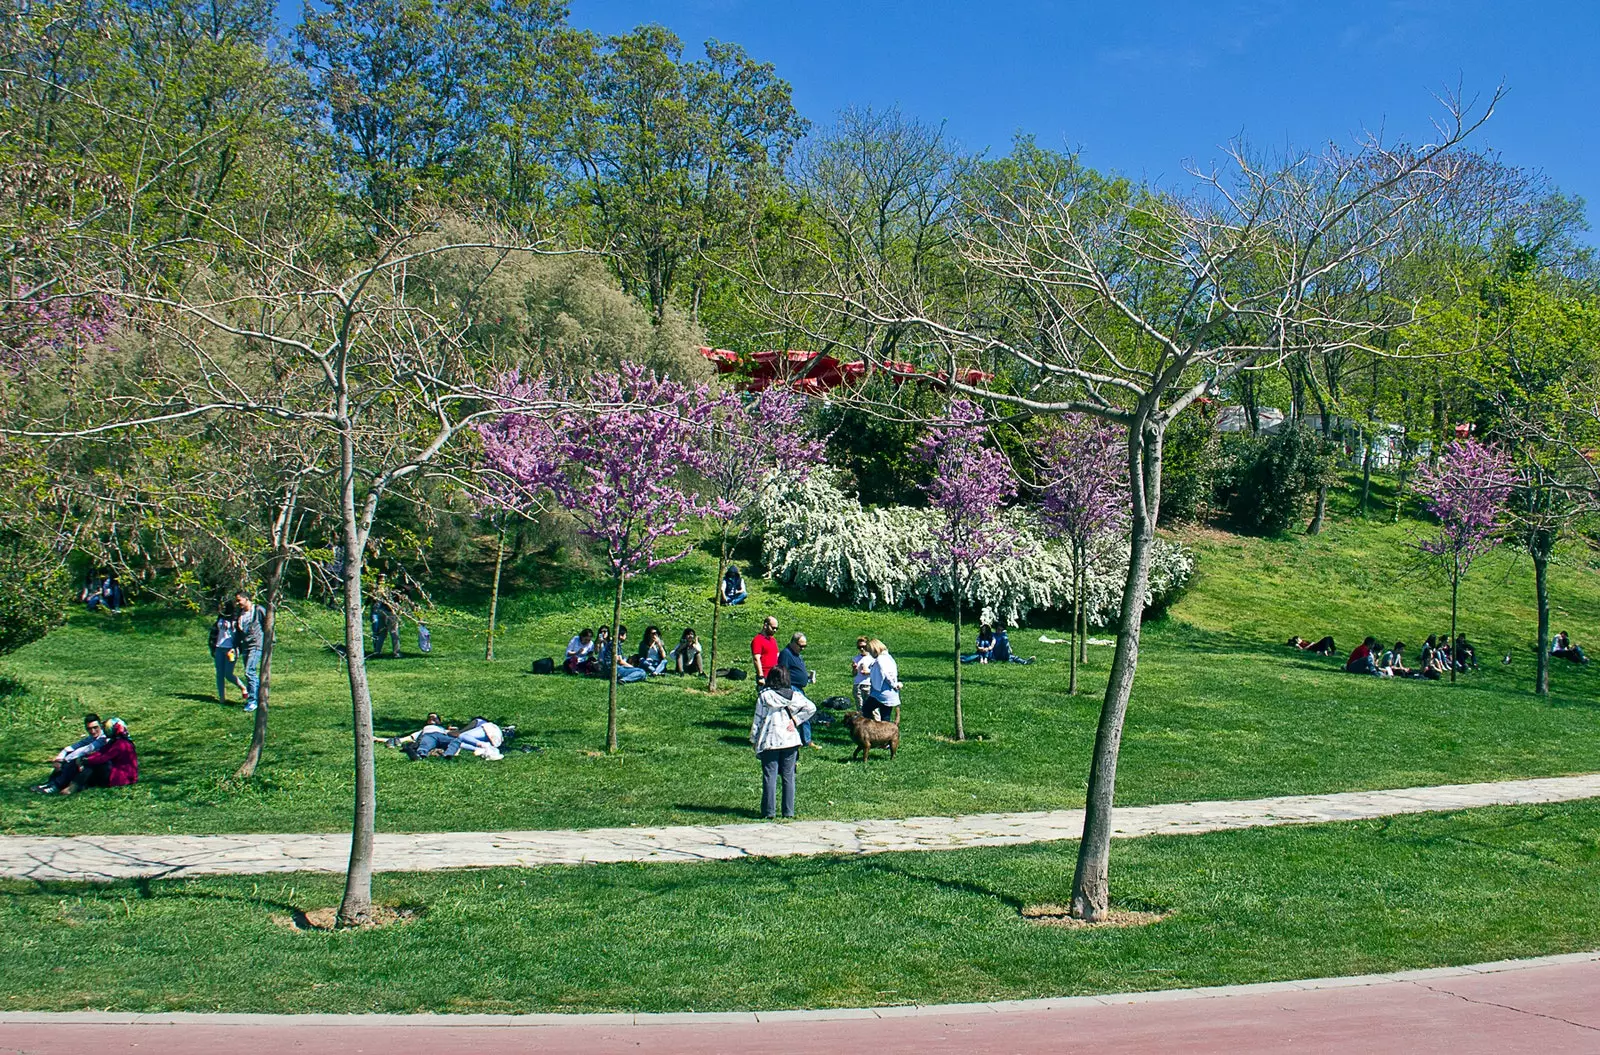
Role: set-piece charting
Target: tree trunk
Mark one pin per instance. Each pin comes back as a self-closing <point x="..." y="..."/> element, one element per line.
<point x="1077" y="612"/>
<point x="1455" y="590"/>
<point x="494" y="593"/>
<point x="611" y="675"/>
<point x="716" y="611"/>
<point x="1366" y="473"/>
<point x="1540" y="548"/>
<point x="269" y="621"/>
<point x="357" y="903"/>
<point x="961" y="729"/>
<point x="1091" y="880"/>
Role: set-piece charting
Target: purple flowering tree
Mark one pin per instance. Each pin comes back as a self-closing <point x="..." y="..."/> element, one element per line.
<point x="971" y="483"/>
<point x="754" y="443"/>
<point x="34" y="324"/>
<point x="1467" y="491"/>
<point x="1083" y="475"/>
<point x="618" y="463"/>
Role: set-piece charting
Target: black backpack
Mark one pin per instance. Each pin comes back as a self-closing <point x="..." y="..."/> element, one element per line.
<point x="544" y="666"/>
<point x="732" y="674"/>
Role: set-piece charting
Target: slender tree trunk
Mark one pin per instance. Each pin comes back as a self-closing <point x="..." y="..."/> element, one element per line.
<point x="1366" y="473"/>
<point x="269" y="621"/>
<point x="494" y="593"/>
<point x="611" y="675"/>
<point x="1091" y="880"/>
<point x="1081" y="614"/>
<point x="357" y="904"/>
<point x="961" y="729"/>
<point x="1540" y="551"/>
<point x="1455" y="591"/>
<point x="716" y="610"/>
<point x="1077" y="611"/>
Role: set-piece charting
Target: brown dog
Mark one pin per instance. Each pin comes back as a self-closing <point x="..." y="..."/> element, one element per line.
<point x="868" y="733"/>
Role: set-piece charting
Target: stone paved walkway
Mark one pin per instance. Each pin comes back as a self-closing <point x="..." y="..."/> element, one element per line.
<point x="111" y="857"/>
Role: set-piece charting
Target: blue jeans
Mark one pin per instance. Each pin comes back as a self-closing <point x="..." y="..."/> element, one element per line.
<point x="805" y="732"/>
<point x="737" y="598"/>
<point x="225" y="674"/>
<point x="252" y="678"/>
<point x="653" y="666"/>
<point x="627" y="674"/>
<point x="428" y="741"/>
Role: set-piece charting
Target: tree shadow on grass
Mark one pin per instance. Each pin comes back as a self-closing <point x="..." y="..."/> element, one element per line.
<point x="717" y="811"/>
<point x="198" y="697"/>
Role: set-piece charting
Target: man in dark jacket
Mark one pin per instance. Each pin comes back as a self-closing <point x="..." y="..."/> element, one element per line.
<point x="789" y="659"/>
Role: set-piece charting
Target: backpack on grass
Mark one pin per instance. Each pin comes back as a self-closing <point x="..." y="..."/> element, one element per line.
<point x="544" y="666"/>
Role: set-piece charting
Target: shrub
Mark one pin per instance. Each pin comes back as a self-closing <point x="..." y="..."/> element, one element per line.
<point x="32" y="596"/>
<point x="816" y="536"/>
<point x="1189" y="462"/>
<point x="1266" y="482"/>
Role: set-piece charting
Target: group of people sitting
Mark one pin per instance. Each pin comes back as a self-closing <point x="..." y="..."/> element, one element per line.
<point x="1561" y="647"/>
<point x="994" y="646"/>
<point x="436" y="739"/>
<point x="102" y="591"/>
<point x="103" y="758"/>
<point x="589" y="652"/>
<point x="1438" y="657"/>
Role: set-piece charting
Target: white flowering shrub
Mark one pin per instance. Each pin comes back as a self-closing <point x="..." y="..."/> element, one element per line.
<point x="814" y="535"/>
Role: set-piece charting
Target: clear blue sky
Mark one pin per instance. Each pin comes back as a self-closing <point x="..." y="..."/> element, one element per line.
<point x="1140" y="87"/>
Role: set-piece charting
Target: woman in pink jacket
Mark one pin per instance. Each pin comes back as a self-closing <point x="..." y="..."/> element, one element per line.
<point x="115" y="765"/>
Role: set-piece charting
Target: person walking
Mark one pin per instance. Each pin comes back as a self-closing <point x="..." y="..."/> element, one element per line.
<point x="764" y="649"/>
<point x="250" y="636"/>
<point x="224" y="654"/>
<point x="883" y="696"/>
<point x="385" y="618"/>
<point x="775" y="735"/>
<point x="790" y="661"/>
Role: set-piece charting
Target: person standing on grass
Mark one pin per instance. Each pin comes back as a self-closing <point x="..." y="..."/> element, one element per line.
<point x="224" y="654"/>
<point x="861" y="672"/>
<point x="250" y="637"/>
<point x="385" y="618"/>
<point x="794" y="667"/>
<point x="764" y="649"/>
<point x="775" y="734"/>
<point x="883" y="698"/>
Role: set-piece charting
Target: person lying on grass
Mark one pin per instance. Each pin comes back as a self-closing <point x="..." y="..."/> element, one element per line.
<point x="434" y="724"/>
<point x="114" y="765"/>
<point x="1321" y="647"/>
<point x="88" y="745"/>
<point x="481" y="737"/>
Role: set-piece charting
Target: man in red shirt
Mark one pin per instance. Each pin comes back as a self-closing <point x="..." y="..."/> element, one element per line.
<point x="764" y="648"/>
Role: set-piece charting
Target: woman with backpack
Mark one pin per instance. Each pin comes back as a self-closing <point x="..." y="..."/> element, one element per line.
<point x="775" y="734"/>
<point x="225" y="653"/>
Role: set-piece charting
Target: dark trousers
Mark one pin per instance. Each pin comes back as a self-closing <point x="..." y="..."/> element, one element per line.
<point x="93" y="776"/>
<point x="779" y="762"/>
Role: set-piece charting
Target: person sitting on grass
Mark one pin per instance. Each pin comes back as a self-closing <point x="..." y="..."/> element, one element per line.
<point x="652" y="657"/>
<point x="115" y="765"/>
<point x="1002" y="649"/>
<point x="434" y="724"/>
<point x="1394" y="662"/>
<point x="626" y="671"/>
<point x="87" y="745"/>
<point x="1432" y="664"/>
<point x="1323" y="647"/>
<point x="1363" y="660"/>
<point x="985" y="646"/>
<point x="686" y="655"/>
<point x="1562" y="647"/>
<point x="732" y="587"/>
<point x="580" y="653"/>
<point x="1465" y="656"/>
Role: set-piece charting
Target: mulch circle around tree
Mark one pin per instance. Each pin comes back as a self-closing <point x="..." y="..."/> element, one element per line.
<point x="326" y="919"/>
<point x="1048" y="915"/>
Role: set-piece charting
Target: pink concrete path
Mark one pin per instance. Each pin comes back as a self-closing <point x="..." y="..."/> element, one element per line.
<point x="1549" y="1006"/>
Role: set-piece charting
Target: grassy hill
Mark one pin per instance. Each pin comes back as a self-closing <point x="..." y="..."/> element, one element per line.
<point x="1221" y="708"/>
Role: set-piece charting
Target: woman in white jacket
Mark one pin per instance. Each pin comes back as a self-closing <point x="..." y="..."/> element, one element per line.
<point x="775" y="733"/>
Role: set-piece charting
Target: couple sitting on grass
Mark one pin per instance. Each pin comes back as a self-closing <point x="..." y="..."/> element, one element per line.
<point x="994" y="646"/>
<point x="481" y="737"/>
<point x="104" y="758"/>
<point x="589" y="653"/>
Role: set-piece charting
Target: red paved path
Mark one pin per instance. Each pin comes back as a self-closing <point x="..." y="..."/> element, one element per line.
<point x="1544" y="1010"/>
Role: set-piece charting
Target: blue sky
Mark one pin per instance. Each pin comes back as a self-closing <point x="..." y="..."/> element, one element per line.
<point x="1142" y="87"/>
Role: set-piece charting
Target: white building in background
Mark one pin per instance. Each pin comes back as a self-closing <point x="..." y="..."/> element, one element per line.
<point x="1388" y="440"/>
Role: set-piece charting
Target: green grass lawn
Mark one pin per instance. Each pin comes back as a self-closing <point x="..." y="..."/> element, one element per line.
<point x="1245" y="906"/>
<point x="1220" y="710"/>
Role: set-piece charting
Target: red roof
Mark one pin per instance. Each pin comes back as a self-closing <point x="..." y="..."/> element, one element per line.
<point x="815" y="373"/>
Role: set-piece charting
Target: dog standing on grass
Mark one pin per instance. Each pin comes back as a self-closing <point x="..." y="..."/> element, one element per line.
<point x="869" y="733"/>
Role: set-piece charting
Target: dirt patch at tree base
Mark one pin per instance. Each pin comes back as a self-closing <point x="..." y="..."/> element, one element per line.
<point x="327" y="919"/>
<point x="1061" y="916"/>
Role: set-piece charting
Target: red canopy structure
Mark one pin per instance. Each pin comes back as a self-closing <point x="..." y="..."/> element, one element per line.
<point x="816" y="374"/>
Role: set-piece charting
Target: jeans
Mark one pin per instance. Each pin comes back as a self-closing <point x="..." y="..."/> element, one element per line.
<point x="653" y="666"/>
<point x="428" y="741"/>
<point x="381" y="632"/>
<point x="775" y="763"/>
<point x="225" y="674"/>
<point x="737" y="598"/>
<point x="629" y="674"/>
<point x="92" y="776"/>
<point x="252" y="679"/>
<point x="805" y="732"/>
<point x="879" y="711"/>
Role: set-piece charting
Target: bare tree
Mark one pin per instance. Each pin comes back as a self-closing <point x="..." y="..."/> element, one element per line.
<point x="1094" y="296"/>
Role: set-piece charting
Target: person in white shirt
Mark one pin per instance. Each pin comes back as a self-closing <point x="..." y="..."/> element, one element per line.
<point x="482" y="737"/>
<point x="775" y="734"/>
<point x="686" y="654"/>
<point x="88" y="745"/>
<point x="580" y="653"/>
<point x="883" y="697"/>
<point x="861" y="668"/>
